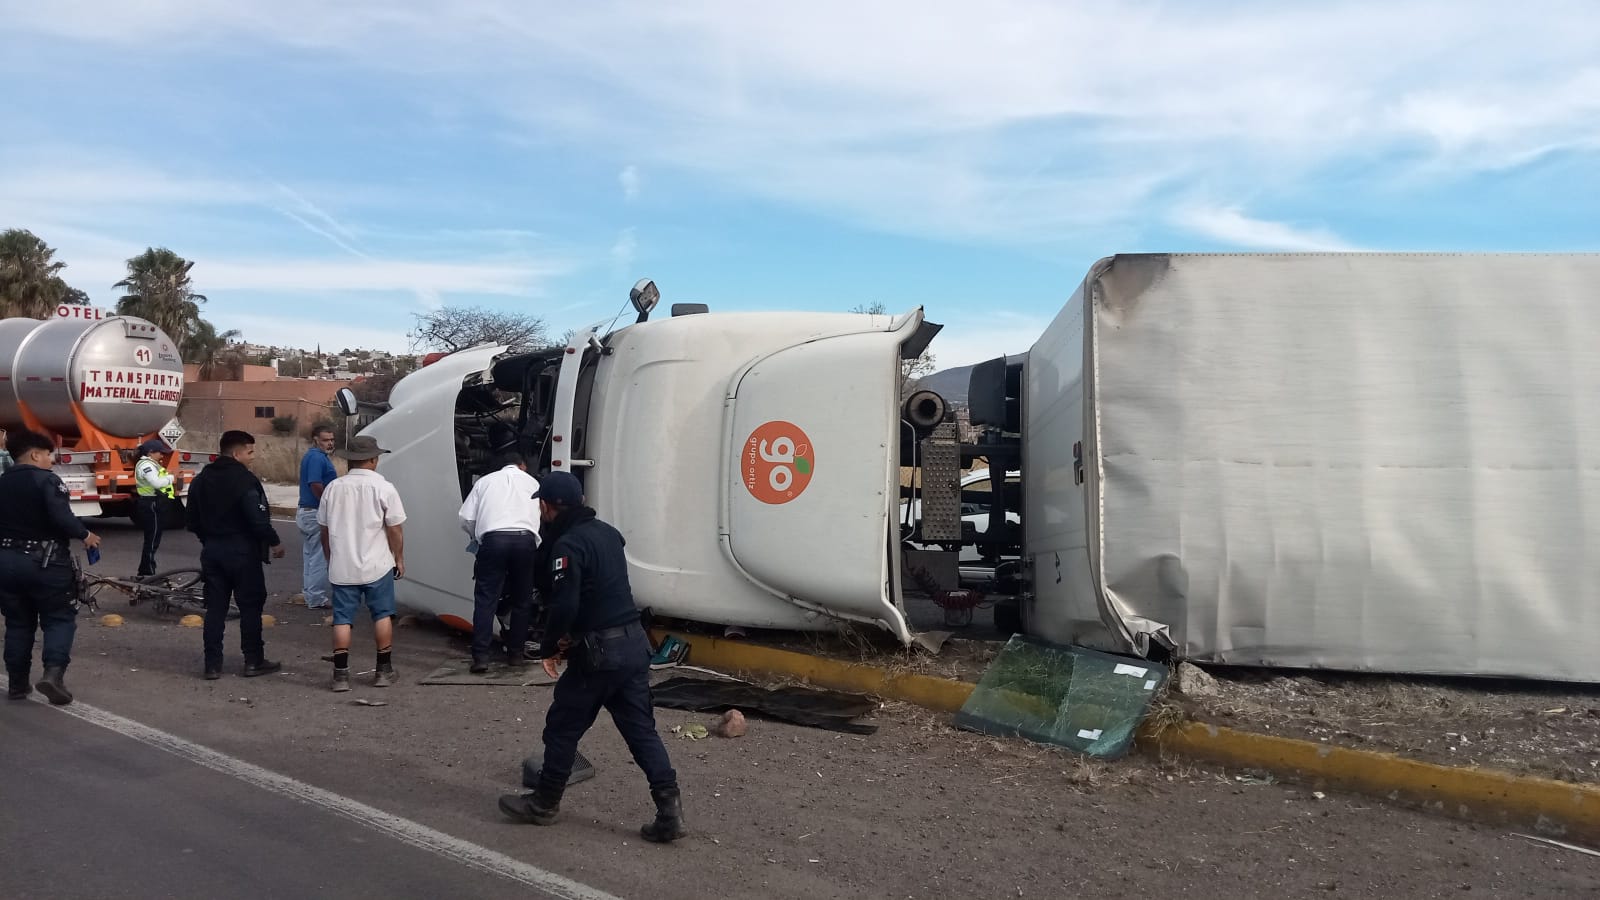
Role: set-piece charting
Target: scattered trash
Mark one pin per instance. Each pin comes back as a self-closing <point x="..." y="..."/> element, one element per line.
<point x="268" y="621"/>
<point x="931" y="642"/>
<point x="1319" y="795"/>
<point x="1555" y="844"/>
<point x="672" y="652"/>
<point x="298" y="599"/>
<point x="1255" y="779"/>
<point x="801" y="705"/>
<point x="360" y="702"/>
<point x="1195" y="682"/>
<point x="191" y="621"/>
<point x="1555" y="712"/>
<point x="732" y="725"/>
<point x="693" y="732"/>
<point x="111" y="620"/>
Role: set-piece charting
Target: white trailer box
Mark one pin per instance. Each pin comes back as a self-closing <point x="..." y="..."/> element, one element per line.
<point x="1350" y="461"/>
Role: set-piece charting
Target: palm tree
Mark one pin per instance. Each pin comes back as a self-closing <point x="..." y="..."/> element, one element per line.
<point x="159" y="290"/>
<point x="29" y="283"/>
<point x="206" y="348"/>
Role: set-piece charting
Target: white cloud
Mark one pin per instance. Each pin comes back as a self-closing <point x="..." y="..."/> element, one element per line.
<point x="626" y="249"/>
<point x="1231" y="226"/>
<point x="1017" y="120"/>
<point x="628" y="178"/>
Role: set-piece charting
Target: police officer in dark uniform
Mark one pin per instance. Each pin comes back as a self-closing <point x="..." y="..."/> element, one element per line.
<point x="228" y="510"/>
<point x="38" y="584"/>
<point x="591" y="614"/>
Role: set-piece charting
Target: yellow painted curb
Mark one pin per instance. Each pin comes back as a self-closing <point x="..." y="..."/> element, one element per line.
<point x="1546" y="805"/>
<point x="1552" y="807"/>
<point x="742" y="656"/>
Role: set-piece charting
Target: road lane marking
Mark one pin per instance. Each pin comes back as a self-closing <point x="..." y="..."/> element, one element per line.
<point x="413" y="833"/>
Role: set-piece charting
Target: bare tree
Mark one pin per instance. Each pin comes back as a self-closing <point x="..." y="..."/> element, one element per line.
<point x="911" y="370"/>
<point x="452" y="328"/>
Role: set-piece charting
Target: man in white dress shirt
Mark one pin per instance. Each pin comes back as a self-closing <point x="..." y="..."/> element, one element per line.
<point x="502" y="517"/>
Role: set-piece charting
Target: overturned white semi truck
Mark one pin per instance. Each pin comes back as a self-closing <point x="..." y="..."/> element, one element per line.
<point x="1382" y="462"/>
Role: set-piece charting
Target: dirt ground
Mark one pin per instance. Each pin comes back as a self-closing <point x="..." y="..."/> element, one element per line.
<point x="917" y="809"/>
<point x="1545" y="729"/>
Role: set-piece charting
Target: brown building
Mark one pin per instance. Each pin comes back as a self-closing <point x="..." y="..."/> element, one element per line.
<point x="251" y="405"/>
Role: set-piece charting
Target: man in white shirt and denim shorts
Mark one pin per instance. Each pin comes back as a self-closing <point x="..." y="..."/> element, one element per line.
<point x="362" y="535"/>
<point x="502" y="517"/>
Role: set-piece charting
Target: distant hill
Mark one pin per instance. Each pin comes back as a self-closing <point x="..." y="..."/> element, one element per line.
<point x="951" y="384"/>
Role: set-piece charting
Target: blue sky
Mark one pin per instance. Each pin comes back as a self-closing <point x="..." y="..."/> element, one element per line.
<point x="334" y="168"/>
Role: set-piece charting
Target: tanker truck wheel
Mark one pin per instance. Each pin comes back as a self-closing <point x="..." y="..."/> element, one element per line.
<point x="120" y="509"/>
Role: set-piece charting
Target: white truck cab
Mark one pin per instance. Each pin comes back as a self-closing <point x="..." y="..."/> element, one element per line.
<point x="751" y="460"/>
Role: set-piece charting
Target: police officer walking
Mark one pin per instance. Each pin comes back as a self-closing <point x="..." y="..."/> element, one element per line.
<point x="153" y="484"/>
<point x="591" y="613"/>
<point x="38" y="589"/>
<point x="228" y="510"/>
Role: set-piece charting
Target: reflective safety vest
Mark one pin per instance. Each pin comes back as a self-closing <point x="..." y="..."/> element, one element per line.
<point x="150" y="478"/>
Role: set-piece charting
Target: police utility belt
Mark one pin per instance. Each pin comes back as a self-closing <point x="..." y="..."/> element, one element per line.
<point x="42" y="551"/>
<point x="608" y="648"/>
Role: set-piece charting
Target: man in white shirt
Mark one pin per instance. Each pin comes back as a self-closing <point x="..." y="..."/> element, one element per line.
<point x="361" y="515"/>
<point x="502" y="517"/>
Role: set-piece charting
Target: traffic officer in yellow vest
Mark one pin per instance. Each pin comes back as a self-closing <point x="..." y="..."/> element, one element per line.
<point x="155" y="488"/>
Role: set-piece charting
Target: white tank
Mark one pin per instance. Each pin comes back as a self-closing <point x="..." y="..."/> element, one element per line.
<point x="124" y="375"/>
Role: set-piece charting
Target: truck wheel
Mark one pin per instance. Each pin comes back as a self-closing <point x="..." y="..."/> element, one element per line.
<point x="1008" y="617"/>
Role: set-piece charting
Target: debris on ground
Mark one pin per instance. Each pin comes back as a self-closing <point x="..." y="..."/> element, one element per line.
<point x="1073" y="697"/>
<point x="1195" y="682"/>
<point x="815" y="708"/>
<point x="732" y="725"/>
<point x="693" y="732"/>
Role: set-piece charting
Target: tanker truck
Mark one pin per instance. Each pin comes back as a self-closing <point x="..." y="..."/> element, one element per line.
<point x="100" y="385"/>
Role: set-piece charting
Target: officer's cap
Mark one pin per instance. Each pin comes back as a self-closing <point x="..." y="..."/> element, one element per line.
<point x="560" y="489"/>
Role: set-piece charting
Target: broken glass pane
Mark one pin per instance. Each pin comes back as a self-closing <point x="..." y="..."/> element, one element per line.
<point x="1074" y="697"/>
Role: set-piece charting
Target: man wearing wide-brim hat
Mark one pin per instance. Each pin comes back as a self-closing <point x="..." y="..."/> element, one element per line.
<point x="362" y="536"/>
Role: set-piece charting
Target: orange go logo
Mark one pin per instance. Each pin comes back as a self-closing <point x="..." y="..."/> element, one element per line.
<point x="778" y="462"/>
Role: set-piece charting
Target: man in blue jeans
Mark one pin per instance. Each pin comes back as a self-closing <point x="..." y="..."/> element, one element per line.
<point x="316" y="473"/>
<point x="360" y="517"/>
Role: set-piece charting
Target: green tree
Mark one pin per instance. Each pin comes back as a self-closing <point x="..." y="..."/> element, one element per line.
<point x="30" y="280"/>
<point x="159" y="289"/>
<point x="209" y="350"/>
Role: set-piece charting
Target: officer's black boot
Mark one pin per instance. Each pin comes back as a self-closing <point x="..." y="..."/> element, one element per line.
<point x="263" y="666"/>
<point x="19" y="688"/>
<point x="52" y="687"/>
<point x="542" y="807"/>
<point x="668" y="825"/>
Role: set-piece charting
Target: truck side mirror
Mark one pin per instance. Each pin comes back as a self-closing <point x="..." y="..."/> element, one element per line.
<point x="346" y="400"/>
<point x="644" y="296"/>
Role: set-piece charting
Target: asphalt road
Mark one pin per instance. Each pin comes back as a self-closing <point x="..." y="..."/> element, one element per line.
<point x="92" y="812"/>
<point x="281" y="788"/>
